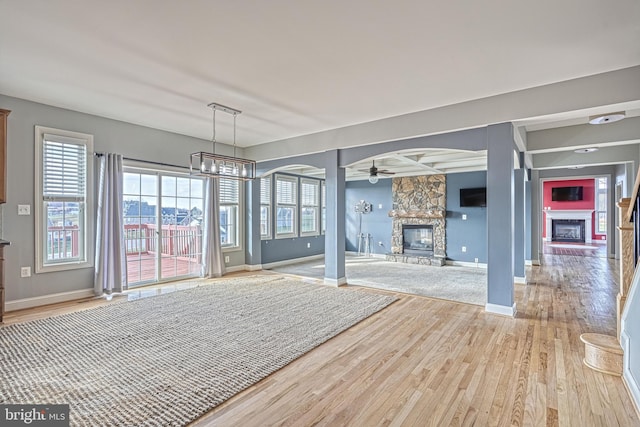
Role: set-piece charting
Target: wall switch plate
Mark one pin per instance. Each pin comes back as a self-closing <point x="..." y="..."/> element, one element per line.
<point x="476" y="260"/>
<point x="380" y="206"/>
<point x="464" y="217"/>
<point x="308" y="245"/>
<point x="24" y="209"/>
<point x="226" y="259"/>
<point x="464" y="249"/>
<point x="25" y="271"/>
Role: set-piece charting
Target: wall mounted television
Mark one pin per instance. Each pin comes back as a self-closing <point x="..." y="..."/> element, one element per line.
<point x="473" y="197"/>
<point x="566" y="194"/>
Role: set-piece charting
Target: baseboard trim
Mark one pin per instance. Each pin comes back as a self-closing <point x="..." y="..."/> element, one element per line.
<point x="530" y="262"/>
<point x="21" y="304"/>
<point x="501" y="309"/>
<point x="236" y="268"/>
<point x="355" y="254"/>
<point x="253" y="267"/>
<point x="335" y="282"/>
<point x="466" y="264"/>
<point x="291" y="261"/>
<point x="521" y="280"/>
<point x="632" y="386"/>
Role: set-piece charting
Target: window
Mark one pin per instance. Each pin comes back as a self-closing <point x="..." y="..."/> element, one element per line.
<point x="162" y="214"/>
<point x="286" y="206"/>
<point x="229" y="212"/>
<point x="63" y="188"/>
<point x="310" y="207"/>
<point x="601" y="205"/>
<point x="265" y="207"/>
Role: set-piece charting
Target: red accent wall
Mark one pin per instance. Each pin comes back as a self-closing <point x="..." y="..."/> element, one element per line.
<point x="588" y="201"/>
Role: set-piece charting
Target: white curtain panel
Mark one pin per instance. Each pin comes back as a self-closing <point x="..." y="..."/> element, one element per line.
<point x="111" y="256"/>
<point x="212" y="259"/>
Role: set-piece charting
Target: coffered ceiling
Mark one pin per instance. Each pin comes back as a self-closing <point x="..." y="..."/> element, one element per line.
<point x="297" y="68"/>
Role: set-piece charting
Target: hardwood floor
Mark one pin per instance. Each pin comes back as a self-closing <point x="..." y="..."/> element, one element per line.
<point x="431" y="362"/>
<point x="423" y="362"/>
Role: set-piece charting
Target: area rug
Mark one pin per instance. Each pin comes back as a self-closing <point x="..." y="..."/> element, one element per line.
<point x="454" y="283"/>
<point x="167" y="360"/>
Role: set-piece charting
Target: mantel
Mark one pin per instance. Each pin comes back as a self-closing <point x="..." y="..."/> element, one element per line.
<point x="569" y="214"/>
<point x="430" y="214"/>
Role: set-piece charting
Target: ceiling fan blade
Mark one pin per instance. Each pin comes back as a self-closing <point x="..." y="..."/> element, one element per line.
<point x="386" y="172"/>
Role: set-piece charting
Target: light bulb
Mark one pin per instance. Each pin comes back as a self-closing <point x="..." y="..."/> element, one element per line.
<point x="244" y="170"/>
<point x="373" y="179"/>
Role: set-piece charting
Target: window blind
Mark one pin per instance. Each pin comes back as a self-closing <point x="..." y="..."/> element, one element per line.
<point x="229" y="191"/>
<point x="309" y="190"/>
<point x="265" y="190"/>
<point x="64" y="169"/>
<point x="286" y="190"/>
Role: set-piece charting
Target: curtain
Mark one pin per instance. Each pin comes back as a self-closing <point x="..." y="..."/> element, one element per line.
<point x="111" y="256"/>
<point x="212" y="260"/>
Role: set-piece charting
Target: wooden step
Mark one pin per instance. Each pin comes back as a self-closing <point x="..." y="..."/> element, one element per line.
<point x="602" y="353"/>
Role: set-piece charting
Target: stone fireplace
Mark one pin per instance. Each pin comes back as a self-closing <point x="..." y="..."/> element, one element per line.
<point x="419" y="203"/>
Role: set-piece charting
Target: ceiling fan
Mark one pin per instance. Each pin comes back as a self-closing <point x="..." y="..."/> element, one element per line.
<point x="374" y="171"/>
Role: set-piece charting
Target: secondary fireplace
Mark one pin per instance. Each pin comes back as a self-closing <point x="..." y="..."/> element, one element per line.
<point x="417" y="239"/>
<point x="568" y="230"/>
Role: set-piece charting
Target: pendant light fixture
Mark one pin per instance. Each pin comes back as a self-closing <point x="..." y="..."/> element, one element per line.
<point x="216" y="165"/>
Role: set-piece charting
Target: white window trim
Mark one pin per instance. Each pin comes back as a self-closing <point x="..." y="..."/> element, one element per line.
<point x="323" y="207"/>
<point x="241" y="221"/>
<point x="89" y="211"/>
<point x="315" y="206"/>
<point x="598" y="208"/>
<point x="268" y="205"/>
<point x="294" y="206"/>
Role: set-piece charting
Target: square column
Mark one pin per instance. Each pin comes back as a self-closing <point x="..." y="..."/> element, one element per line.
<point x="500" y="219"/>
<point x="335" y="242"/>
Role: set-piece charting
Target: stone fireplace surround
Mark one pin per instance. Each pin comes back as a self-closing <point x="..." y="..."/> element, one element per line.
<point x="419" y="200"/>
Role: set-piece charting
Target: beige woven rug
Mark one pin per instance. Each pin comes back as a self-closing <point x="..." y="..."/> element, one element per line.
<point x="169" y="359"/>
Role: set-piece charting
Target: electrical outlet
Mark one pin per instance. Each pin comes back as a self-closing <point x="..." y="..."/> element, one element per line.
<point x="226" y="259"/>
<point x="464" y="249"/>
<point x="464" y="217"/>
<point x="308" y="245"/>
<point x="25" y="271"/>
<point x="380" y="244"/>
<point x="24" y="209"/>
<point x="380" y="206"/>
<point x="476" y="260"/>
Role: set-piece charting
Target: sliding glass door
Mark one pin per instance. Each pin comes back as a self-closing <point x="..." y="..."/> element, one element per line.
<point x="162" y="225"/>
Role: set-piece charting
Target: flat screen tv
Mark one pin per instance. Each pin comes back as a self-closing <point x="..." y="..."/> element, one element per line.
<point x="566" y="194"/>
<point x="473" y="197"/>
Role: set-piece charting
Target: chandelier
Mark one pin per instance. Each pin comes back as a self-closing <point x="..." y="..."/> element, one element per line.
<point x="216" y="165"/>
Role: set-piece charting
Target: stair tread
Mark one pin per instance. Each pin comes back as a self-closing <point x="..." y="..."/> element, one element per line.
<point x="604" y="342"/>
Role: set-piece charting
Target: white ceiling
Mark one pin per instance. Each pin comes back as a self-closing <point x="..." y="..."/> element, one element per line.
<point x="300" y="67"/>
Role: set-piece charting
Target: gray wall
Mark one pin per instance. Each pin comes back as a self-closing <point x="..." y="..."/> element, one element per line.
<point x="471" y="232"/>
<point x="378" y="223"/>
<point x="275" y="250"/>
<point x="109" y="136"/>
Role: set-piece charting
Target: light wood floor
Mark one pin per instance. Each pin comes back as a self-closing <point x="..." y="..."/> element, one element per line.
<point x="427" y="362"/>
<point x="423" y="362"/>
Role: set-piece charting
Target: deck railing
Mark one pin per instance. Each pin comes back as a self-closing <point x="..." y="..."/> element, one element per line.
<point x="174" y="240"/>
